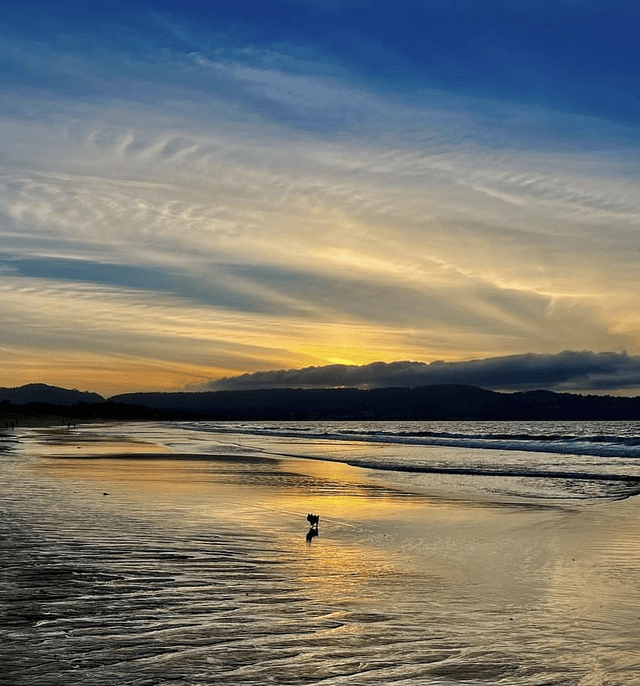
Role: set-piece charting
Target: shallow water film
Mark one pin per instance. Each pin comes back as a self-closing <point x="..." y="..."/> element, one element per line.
<point x="137" y="554"/>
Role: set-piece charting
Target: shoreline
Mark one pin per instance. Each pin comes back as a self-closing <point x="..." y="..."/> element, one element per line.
<point x="105" y="554"/>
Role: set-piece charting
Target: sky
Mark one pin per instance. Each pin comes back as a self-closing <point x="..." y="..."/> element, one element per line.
<point x="192" y="193"/>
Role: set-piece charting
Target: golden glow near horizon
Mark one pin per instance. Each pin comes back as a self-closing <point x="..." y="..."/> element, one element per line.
<point x="155" y="243"/>
<point x="397" y="289"/>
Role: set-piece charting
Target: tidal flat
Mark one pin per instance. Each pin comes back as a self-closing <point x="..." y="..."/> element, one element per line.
<point x="143" y="554"/>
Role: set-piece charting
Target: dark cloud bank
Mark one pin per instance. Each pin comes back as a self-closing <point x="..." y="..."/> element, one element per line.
<point x="584" y="371"/>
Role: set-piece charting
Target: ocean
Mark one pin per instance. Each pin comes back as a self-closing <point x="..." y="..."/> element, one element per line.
<point x="447" y="553"/>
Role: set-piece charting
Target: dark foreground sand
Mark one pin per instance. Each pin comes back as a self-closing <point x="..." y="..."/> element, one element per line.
<point x="122" y="563"/>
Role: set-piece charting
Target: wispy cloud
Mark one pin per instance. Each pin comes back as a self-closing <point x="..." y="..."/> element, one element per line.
<point x="240" y="205"/>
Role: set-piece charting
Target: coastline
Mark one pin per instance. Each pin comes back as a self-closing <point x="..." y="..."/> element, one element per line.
<point x="116" y="554"/>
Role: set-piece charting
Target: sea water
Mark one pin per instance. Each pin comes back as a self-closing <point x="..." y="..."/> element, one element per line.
<point x="555" y="455"/>
<point x="448" y="553"/>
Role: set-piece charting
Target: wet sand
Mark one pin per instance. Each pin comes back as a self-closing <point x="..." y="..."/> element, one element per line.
<point x="124" y="563"/>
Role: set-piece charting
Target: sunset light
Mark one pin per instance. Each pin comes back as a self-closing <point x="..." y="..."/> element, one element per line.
<point x="196" y="192"/>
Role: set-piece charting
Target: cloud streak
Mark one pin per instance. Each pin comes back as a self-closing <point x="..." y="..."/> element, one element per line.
<point x="291" y="201"/>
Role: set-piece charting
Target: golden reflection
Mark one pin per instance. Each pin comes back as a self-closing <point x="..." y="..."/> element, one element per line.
<point x="382" y="551"/>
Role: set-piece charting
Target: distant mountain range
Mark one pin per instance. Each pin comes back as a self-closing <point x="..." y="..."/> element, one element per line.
<point x="439" y="402"/>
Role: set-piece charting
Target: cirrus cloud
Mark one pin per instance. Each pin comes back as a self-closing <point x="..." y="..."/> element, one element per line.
<point x="227" y="188"/>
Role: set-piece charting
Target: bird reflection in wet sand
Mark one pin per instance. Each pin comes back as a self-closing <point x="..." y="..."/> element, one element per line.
<point x="313" y="530"/>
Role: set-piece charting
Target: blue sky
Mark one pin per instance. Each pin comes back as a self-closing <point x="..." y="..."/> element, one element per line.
<point x="190" y="192"/>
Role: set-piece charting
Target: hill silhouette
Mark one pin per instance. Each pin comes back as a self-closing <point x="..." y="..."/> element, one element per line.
<point x="437" y="402"/>
<point x="52" y="395"/>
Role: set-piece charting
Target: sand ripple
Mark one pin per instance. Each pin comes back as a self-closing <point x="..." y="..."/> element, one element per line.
<point x="136" y="591"/>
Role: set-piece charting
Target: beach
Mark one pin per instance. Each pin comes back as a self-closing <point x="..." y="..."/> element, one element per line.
<point x="140" y="554"/>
